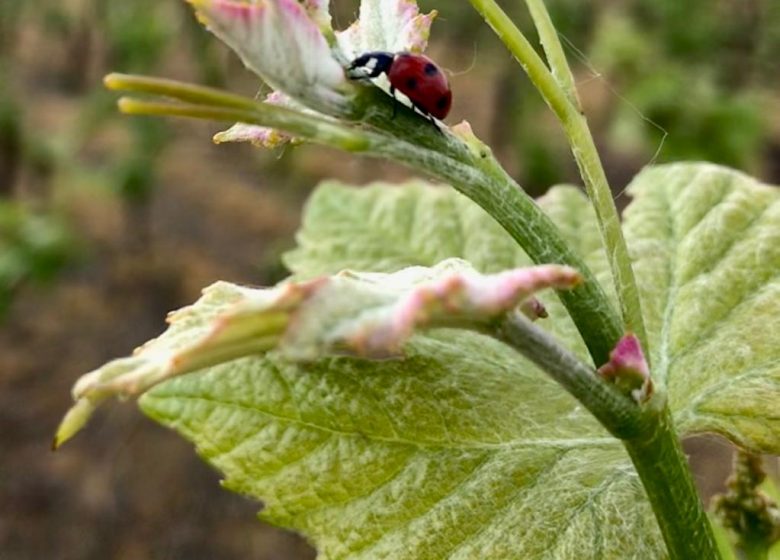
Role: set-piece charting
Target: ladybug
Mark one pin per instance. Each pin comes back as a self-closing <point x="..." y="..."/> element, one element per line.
<point x="414" y="75"/>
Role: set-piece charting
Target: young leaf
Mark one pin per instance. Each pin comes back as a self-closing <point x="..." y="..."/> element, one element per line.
<point x="261" y="136"/>
<point x="383" y="227"/>
<point x="386" y="25"/>
<point x="278" y="41"/>
<point x="362" y="314"/>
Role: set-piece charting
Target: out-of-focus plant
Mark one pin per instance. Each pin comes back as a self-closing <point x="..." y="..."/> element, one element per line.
<point x="34" y="244"/>
<point x="394" y="397"/>
<point x="34" y="247"/>
<point x="11" y="141"/>
<point x="748" y="508"/>
<point x="678" y="72"/>
<point x="134" y="36"/>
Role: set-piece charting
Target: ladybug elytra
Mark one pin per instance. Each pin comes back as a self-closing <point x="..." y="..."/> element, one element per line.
<point x="414" y="75"/>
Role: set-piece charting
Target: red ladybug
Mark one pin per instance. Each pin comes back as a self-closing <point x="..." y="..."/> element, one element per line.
<point x="414" y="75"/>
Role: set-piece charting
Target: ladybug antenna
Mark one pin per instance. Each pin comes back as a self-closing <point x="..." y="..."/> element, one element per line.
<point x="453" y="74"/>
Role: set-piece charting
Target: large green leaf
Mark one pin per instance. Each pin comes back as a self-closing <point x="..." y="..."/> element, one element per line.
<point x="460" y="450"/>
<point x="463" y="449"/>
<point x="386" y="227"/>
<point x="706" y="247"/>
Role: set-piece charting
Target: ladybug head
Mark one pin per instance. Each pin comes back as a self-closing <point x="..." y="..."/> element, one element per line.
<point x="377" y="62"/>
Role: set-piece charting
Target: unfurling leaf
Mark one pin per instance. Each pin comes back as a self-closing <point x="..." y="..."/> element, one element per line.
<point x="291" y="46"/>
<point x="261" y="136"/>
<point x="387" y="25"/>
<point x="361" y="314"/>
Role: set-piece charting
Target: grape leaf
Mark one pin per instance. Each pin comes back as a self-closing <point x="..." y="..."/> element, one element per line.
<point x="463" y="449"/>
<point x="460" y="450"/>
<point x="706" y="247"/>
<point x="365" y="314"/>
<point x="386" y="227"/>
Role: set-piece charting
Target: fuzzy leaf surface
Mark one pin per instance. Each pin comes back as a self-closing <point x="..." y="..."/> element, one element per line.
<point x="280" y="42"/>
<point x="368" y="314"/>
<point x="705" y="241"/>
<point x="706" y="247"/>
<point x="386" y="25"/>
<point x="460" y="450"/>
<point x="385" y="227"/>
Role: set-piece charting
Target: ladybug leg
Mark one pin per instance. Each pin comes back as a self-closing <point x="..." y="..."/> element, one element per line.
<point x="436" y="126"/>
<point x="395" y="101"/>
<point x="429" y="117"/>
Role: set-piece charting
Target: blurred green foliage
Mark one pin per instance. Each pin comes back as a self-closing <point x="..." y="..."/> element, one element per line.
<point x="686" y="66"/>
<point x="34" y="247"/>
<point x="73" y="45"/>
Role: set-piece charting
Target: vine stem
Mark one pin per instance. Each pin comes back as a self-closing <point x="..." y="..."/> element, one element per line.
<point x="661" y="464"/>
<point x="614" y="410"/>
<point x="553" y="50"/>
<point x="557" y="89"/>
<point x="464" y="163"/>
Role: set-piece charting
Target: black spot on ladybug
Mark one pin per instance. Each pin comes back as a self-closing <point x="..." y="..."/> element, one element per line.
<point x="442" y="102"/>
<point x="430" y="69"/>
<point x="411" y="83"/>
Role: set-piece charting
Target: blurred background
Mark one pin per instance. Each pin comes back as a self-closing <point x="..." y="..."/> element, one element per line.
<point x="108" y="222"/>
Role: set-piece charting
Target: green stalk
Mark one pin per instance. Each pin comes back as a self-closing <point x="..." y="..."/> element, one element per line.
<point x="173" y="89"/>
<point x="655" y="450"/>
<point x="754" y="551"/>
<point x="661" y="464"/>
<point x="576" y="127"/>
<point x="615" y="411"/>
<point x="306" y="126"/>
<point x="553" y="50"/>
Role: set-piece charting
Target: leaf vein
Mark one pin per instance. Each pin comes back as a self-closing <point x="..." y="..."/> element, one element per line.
<point x="566" y="443"/>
